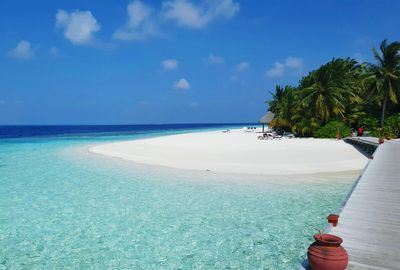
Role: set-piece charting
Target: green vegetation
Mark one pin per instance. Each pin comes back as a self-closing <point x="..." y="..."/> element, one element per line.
<point x="332" y="130"/>
<point x="343" y="93"/>
<point x="391" y="127"/>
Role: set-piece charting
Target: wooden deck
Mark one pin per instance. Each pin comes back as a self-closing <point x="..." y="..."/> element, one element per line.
<point x="370" y="220"/>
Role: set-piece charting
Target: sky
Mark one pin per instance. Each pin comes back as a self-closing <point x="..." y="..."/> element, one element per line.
<point x="172" y="61"/>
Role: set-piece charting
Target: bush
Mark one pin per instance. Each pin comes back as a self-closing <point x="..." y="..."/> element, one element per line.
<point x="369" y="123"/>
<point x="331" y="129"/>
<point x="391" y="127"/>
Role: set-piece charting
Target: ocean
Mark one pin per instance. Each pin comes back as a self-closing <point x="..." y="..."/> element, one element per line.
<point x="64" y="208"/>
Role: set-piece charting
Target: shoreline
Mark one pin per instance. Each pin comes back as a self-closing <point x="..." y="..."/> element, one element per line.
<point x="238" y="152"/>
<point x="213" y="177"/>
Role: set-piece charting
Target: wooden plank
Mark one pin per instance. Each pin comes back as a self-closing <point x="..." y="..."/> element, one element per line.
<point x="370" y="220"/>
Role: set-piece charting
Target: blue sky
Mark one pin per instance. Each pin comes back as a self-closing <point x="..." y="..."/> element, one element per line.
<point x="172" y="61"/>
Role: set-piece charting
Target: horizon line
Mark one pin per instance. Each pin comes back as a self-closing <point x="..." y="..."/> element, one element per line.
<point x="147" y="124"/>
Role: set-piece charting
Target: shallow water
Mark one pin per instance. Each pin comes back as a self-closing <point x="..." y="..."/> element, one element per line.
<point x="62" y="208"/>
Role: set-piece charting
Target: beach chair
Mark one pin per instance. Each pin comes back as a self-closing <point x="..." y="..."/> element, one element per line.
<point x="289" y="135"/>
<point x="276" y="135"/>
<point x="269" y="135"/>
<point x="265" y="136"/>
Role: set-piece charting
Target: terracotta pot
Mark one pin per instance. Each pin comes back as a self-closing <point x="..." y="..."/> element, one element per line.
<point x="381" y="140"/>
<point x="333" y="219"/>
<point x="327" y="254"/>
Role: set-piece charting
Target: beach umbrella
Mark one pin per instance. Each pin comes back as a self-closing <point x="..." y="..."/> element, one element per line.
<point x="267" y="118"/>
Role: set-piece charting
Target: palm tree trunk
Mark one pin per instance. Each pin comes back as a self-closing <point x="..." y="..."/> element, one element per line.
<point x="383" y="110"/>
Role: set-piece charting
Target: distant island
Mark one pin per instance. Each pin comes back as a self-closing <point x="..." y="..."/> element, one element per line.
<point x="343" y="94"/>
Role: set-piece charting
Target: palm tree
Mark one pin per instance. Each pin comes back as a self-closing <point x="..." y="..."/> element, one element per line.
<point x="281" y="105"/>
<point x="326" y="91"/>
<point x="304" y="125"/>
<point x="383" y="79"/>
<point x="276" y="99"/>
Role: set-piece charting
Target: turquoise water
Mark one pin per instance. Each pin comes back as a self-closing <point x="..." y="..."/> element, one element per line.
<point x="62" y="208"/>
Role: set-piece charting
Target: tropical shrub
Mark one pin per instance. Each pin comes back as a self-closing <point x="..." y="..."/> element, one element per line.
<point x="392" y="126"/>
<point x="331" y="129"/>
<point x="369" y="123"/>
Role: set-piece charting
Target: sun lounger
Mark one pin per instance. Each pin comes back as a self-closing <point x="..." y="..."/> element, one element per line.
<point x="270" y="136"/>
<point x="276" y="135"/>
<point x="249" y="129"/>
<point x="266" y="136"/>
<point x="289" y="135"/>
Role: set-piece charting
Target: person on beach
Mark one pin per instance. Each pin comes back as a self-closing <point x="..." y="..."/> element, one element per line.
<point x="360" y="131"/>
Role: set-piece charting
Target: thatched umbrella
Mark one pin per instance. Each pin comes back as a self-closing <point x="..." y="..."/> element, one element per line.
<point x="267" y="118"/>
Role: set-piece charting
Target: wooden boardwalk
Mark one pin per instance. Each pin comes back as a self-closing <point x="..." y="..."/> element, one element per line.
<point x="370" y="220"/>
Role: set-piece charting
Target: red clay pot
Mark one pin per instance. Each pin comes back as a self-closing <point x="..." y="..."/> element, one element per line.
<point x="333" y="219"/>
<point x="327" y="254"/>
<point x="381" y="140"/>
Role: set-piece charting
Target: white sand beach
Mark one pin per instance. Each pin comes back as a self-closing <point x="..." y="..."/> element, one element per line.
<point x="239" y="152"/>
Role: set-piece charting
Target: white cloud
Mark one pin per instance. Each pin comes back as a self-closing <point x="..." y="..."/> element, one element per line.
<point x="23" y="50"/>
<point x="294" y="62"/>
<point x="291" y="63"/>
<point x="170" y="64"/>
<point x="182" y="84"/>
<point x="214" y="59"/>
<point x="276" y="71"/>
<point x="242" y="66"/>
<point x="79" y="26"/>
<point x="189" y="14"/>
<point x="143" y="20"/>
<point x="138" y="13"/>
<point x="139" y="25"/>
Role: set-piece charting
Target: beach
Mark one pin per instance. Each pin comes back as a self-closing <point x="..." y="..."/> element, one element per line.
<point x="239" y="152"/>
